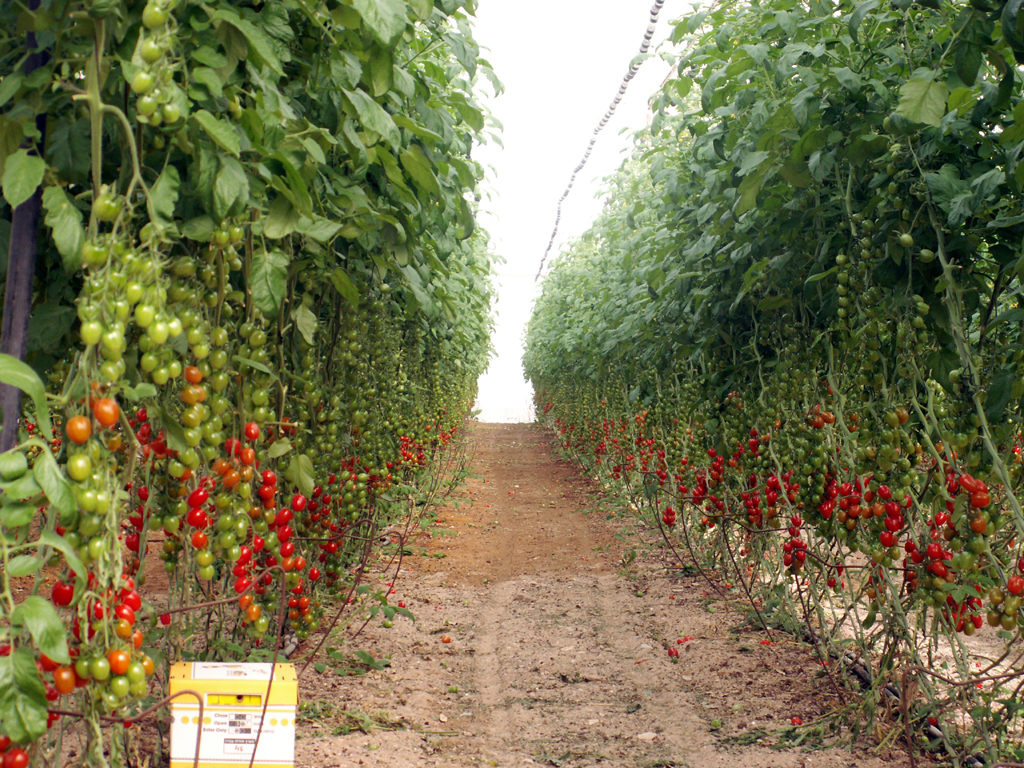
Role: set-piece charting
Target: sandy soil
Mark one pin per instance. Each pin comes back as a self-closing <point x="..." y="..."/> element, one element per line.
<point x="538" y="640"/>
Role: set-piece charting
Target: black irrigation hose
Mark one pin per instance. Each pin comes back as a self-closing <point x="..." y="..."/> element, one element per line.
<point x="891" y="692"/>
<point x="644" y="47"/>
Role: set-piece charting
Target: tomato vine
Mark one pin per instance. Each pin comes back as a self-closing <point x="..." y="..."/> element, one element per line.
<point x="260" y="304"/>
<point x="794" y="336"/>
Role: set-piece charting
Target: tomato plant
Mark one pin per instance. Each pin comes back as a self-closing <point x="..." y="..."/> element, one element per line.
<point x="793" y="339"/>
<point x="261" y="308"/>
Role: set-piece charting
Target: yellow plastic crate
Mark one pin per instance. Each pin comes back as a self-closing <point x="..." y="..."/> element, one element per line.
<point x="233" y="699"/>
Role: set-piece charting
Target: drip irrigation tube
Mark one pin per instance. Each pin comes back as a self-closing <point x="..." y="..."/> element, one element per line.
<point x="644" y="47"/>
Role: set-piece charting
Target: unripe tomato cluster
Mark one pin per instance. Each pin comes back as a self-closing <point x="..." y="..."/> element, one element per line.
<point x="160" y="100"/>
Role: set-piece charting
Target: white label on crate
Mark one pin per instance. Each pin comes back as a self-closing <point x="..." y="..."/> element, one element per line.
<point x="230" y="735"/>
<point x="239" y="746"/>
<point x="212" y="671"/>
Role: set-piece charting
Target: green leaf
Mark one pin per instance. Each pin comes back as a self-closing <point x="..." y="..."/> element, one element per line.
<point x="417" y="165"/>
<point x="381" y="72"/>
<point x="373" y="117"/>
<point x="175" y="432"/>
<point x="303" y="474"/>
<point x="279" y="448"/>
<point x="820" y="275"/>
<point x="858" y="15"/>
<point x="968" y="62"/>
<point x="23" y="705"/>
<point x="230" y="189"/>
<point x="163" y="197"/>
<point x="59" y="543"/>
<point x="923" y="98"/>
<point x="259" y="44"/>
<point x="209" y="79"/>
<point x="54" y="483"/>
<point x="282" y="218"/>
<point x="268" y="279"/>
<point x="252" y="364"/>
<point x="17" y="514"/>
<point x="748" y="190"/>
<point x="421" y="8"/>
<point x="18" y="374"/>
<point x="12" y="83"/>
<point x="140" y="391"/>
<point x="386" y="19"/>
<point x="23" y="173"/>
<point x="345" y="286"/>
<point x="40" y="618"/>
<point x="774" y="302"/>
<point x="320" y="229"/>
<point x="24" y="565"/>
<point x="65" y="221"/>
<point x="221" y="131"/>
<point x="201" y="229"/>
<point x="306" y="323"/>
<point x="25" y="487"/>
<point x="847" y="78"/>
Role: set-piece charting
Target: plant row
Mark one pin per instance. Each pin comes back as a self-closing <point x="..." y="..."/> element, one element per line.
<point x="259" y="304"/>
<point x="794" y="335"/>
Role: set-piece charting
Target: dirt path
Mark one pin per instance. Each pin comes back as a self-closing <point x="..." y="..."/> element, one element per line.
<point x="557" y="653"/>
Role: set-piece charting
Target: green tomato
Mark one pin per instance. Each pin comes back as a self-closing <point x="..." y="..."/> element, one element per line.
<point x="158" y="332"/>
<point x="145" y="314"/>
<point x="83" y="668"/>
<point x="91" y="333"/>
<point x="97" y="546"/>
<point x="205" y="573"/>
<point x="99" y="669"/>
<point x="143" y="82"/>
<point x="136" y="672"/>
<point x="171" y="112"/>
<point x="79" y="467"/>
<point x="204" y="558"/>
<point x="154" y="16"/>
<point x="219" y="337"/>
<point x="119" y="685"/>
<point x="151" y="51"/>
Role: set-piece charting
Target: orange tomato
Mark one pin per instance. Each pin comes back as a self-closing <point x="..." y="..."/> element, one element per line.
<point x="106" y="411"/>
<point x="78" y="429"/>
<point x="64" y="679"/>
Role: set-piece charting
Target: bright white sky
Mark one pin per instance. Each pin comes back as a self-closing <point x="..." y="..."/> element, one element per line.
<point x="562" y="62"/>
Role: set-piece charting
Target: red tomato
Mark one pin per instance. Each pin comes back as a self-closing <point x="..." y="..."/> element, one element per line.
<point x="1015" y="584"/>
<point x="62" y="594"/>
<point x="119" y="661"/>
